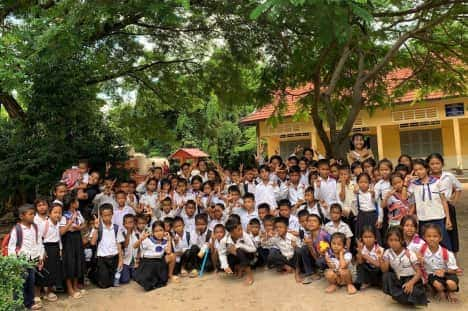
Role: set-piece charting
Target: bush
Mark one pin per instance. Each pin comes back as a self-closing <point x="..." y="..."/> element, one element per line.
<point x="12" y="270"/>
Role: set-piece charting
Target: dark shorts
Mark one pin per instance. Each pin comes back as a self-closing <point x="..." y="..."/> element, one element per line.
<point x="443" y="280"/>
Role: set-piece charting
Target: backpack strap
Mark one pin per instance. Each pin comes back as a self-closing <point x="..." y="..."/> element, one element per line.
<point x="208" y="236"/>
<point x="46" y="229"/>
<point x="445" y="255"/>
<point x="301" y="234"/>
<point x="116" y="230"/>
<point x="187" y="237"/>
<point x="423" y="249"/>
<point x="99" y="233"/>
<point x="319" y="208"/>
<point x="19" y="238"/>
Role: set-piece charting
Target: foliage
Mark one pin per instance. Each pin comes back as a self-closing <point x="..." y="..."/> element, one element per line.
<point x="12" y="270"/>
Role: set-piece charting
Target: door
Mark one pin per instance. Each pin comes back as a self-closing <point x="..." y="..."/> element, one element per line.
<point x="287" y="147"/>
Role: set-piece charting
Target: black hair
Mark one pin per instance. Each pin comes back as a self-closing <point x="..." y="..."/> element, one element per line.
<point x="120" y="192"/>
<point x="308" y="149"/>
<point x="284" y="202"/>
<point x="232" y="223"/>
<point x="269" y="218"/>
<point x="68" y="199"/>
<point x="42" y="199"/>
<point x="437" y="156"/>
<point x="165" y="181"/>
<point x="157" y="223"/>
<point x="323" y="162"/>
<point x="302" y="213"/>
<point x="60" y="184"/>
<point x="396" y="175"/>
<point x="264" y="167"/>
<point x="407" y="218"/>
<point x="254" y="221"/>
<point x="184" y="165"/>
<point x="233" y="188"/>
<point x="370" y="161"/>
<point x="152" y="179"/>
<point x="402" y="167"/>
<point x="432" y="226"/>
<point x="235" y="216"/>
<point x="355" y="164"/>
<point x="128" y="216"/>
<point x="293" y="158"/>
<point x="181" y="180"/>
<point x="365" y="138"/>
<point x="338" y="236"/>
<point x="343" y="167"/>
<point x="209" y="183"/>
<point x="309" y="189"/>
<point x="167" y="199"/>
<point x="277" y="157"/>
<point x="133" y="182"/>
<point x="367" y="228"/>
<point x="191" y="202"/>
<point x="196" y="178"/>
<point x="398" y="231"/>
<point x="315" y="216"/>
<point x="282" y="220"/>
<point x="177" y="219"/>
<point x="202" y="216"/>
<point x="364" y="174"/>
<point x="106" y="207"/>
<point x="405" y="156"/>
<point x="421" y="162"/>
<point x="220" y="204"/>
<point x="264" y="206"/>
<point x="249" y="195"/>
<point x="218" y="226"/>
<point x="294" y="169"/>
<point x="336" y="206"/>
<point x="386" y="162"/>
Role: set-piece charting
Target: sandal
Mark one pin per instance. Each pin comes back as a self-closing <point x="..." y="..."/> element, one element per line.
<point x="36" y="306"/>
<point x="174" y="279"/>
<point x="184" y="273"/>
<point x="194" y="273"/>
<point x="76" y="295"/>
<point x="51" y="297"/>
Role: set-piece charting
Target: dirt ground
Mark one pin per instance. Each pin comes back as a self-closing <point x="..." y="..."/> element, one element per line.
<point x="270" y="291"/>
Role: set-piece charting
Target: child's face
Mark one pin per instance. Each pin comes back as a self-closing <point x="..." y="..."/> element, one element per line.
<point x="344" y="175"/>
<point x="55" y="213"/>
<point x="249" y="176"/>
<point x="237" y="232"/>
<point x="83" y="167"/>
<point x="235" y="177"/>
<point x="268" y="225"/>
<point x="108" y="185"/>
<point x="303" y="221"/>
<point x="368" y="239"/>
<point x="324" y="171"/>
<point x="420" y="170"/>
<point x="303" y="166"/>
<point x="262" y="212"/>
<point x="402" y="173"/>
<point x="282" y="174"/>
<point x="435" y="165"/>
<point x="249" y="203"/>
<point x="335" y="215"/>
<point x="385" y="171"/>
<point x="190" y="210"/>
<point x="405" y="161"/>
<point x="358" y="142"/>
<point x="167" y="227"/>
<point x="106" y="216"/>
<point x="313" y="223"/>
<point x="294" y="177"/>
<point x="363" y="183"/>
<point x="121" y="199"/>
<point x="377" y="175"/>
<point x="166" y="206"/>
<point x="235" y="196"/>
<point x="334" y="171"/>
<point x="42" y="208"/>
<point x="357" y="171"/>
<point x="218" y="212"/>
<point x="151" y="186"/>
<point x="219" y="233"/>
<point x="129" y="223"/>
<point x="264" y="174"/>
<point x="409" y="229"/>
<point x="369" y="169"/>
<point x="178" y="227"/>
<point x="207" y="189"/>
<point x="196" y="185"/>
<point x="336" y="245"/>
<point x="60" y="192"/>
<point x="158" y="232"/>
<point x="200" y="225"/>
<point x="284" y="211"/>
<point x="141" y="224"/>
<point x="181" y="187"/>
<point x="394" y="242"/>
<point x="124" y="187"/>
<point x="432" y="237"/>
<point x="131" y="188"/>
<point x="397" y="183"/>
<point x="281" y="228"/>
<point x="254" y="229"/>
<point x="309" y="197"/>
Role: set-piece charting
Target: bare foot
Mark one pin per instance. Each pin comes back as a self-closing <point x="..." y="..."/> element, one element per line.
<point x="298" y="278"/>
<point x="316" y="276"/>
<point x="331" y="288"/>
<point x="249" y="280"/>
<point x="174" y="279"/>
<point x="351" y="289"/>
<point x="440" y="296"/>
<point x="364" y="286"/>
<point x="287" y="269"/>
<point x="452" y="298"/>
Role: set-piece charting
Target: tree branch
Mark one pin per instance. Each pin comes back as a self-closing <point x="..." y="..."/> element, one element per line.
<point x="427" y="5"/>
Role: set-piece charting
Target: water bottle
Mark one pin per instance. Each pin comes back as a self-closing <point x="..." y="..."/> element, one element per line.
<point x="117" y="277"/>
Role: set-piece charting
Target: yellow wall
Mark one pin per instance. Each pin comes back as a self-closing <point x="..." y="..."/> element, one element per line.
<point x="391" y="142"/>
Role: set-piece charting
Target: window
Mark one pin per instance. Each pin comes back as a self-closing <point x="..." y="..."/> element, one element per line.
<point x="421" y="143"/>
<point x="287" y="147"/>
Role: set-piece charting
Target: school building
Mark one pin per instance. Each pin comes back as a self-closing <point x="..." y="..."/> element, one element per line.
<point x="437" y="124"/>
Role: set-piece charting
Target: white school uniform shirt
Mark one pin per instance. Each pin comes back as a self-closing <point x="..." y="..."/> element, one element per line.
<point x="245" y="216"/>
<point x="67" y="215"/>
<point x="250" y="186"/>
<point x="403" y="264"/>
<point x="102" y="198"/>
<point x="293" y="223"/>
<point x="305" y="178"/>
<point x="189" y="222"/>
<point x="347" y="203"/>
<point x="180" y="199"/>
<point x="381" y="188"/>
<point x="296" y="193"/>
<point x="108" y="244"/>
<point x="200" y="239"/>
<point x="366" y="203"/>
<point x="449" y="183"/>
<point x="342" y="227"/>
<point x="183" y="244"/>
<point x="214" y="222"/>
<point x="151" y="248"/>
<point x="172" y="213"/>
<point x="326" y="191"/>
<point x="129" y="253"/>
<point x="150" y="199"/>
<point x="31" y="246"/>
<point x="428" y="199"/>
<point x="285" y="244"/>
<point x="119" y="213"/>
<point x="416" y="244"/>
<point x="314" y="209"/>
<point x="373" y="253"/>
<point x="336" y="260"/>
<point x="435" y="261"/>
<point x="245" y="243"/>
<point x="50" y="233"/>
<point x="40" y="222"/>
<point x="268" y="193"/>
<point x="255" y="239"/>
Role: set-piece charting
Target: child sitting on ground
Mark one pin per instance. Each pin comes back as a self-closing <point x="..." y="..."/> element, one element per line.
<point x="339" y="265"/>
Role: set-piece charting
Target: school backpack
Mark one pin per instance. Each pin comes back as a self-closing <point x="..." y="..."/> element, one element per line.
<point x="398" y="209"/>
<point x="19" y="239"/>
<point x="422" y="251"/>
<point x="71" y="176"/>
<point x="100" y="229"/>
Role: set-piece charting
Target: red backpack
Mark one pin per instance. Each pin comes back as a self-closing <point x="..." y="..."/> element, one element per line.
<point x="19" y="239"/>
<point x="422" y="251"/>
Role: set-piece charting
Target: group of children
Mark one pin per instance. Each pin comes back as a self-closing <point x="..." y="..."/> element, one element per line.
<point x="367" y="224"/>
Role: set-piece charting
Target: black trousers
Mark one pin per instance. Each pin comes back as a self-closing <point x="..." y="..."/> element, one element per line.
<point x="305" y="260"/>
<point x="277" y="260"/>
<point x="241" y="258"/>
<point x="106" y="268"/>
<point x="190" y="260"/>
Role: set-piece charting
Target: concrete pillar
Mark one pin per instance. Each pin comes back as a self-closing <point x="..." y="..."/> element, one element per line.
<point x="380" y="141"/>
<point x="458" y="143"/>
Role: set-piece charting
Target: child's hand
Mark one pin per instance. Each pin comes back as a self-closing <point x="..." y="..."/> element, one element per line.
<point x="317" y="183"/>
<point x="378" y="224"/>
<point x="40" y="264"/>
<point x="293" y="243"/>
<point x="360" y="246"/>
<point x="120" y="264"/>
<point x="144" y="236"/>
<point x="232" y="249"/>
<point x="96" y="223"/>
<point x="308" y="241"/>
<point x="408" y="287"/>
<point x="356" y="188"/>
<point x="448" y="224"/>
<point x="440" y="273"/>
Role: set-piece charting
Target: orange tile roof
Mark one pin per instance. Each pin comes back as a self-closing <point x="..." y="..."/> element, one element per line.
<point x="294" y="95"/>
<point x="189" y="153"/>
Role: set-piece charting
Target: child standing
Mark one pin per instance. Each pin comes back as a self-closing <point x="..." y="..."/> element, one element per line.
<point x="129" y="252"/>
<point x="71" y="225"/>
<point x="218" y="234"/>
<point x="181" y="243"/>
<point x="369" y="254"/>
<point x="285" y="210"/>
<point x="338" y="261"/>
<point x="404" y="283"/>
<point x="440" y="264"/>
<point x="395" y="201"/>
<point x="25" y="240"/>
<point x="121" y="209"/>
<point x="369" y="213"/>
<point x="325" y="188"/>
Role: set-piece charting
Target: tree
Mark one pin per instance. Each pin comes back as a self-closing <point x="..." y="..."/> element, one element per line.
<point x="348" y="50"/>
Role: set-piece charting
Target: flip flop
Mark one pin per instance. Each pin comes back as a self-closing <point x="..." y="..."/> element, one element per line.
<point x="51" y="297"/>
<point x="76" y="295"/>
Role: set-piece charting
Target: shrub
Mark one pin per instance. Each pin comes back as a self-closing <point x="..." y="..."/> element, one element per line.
<point x="12" y="271"/>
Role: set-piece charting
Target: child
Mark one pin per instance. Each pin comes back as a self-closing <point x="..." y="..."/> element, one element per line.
<point x="247" y="211"/>
<point x="264" y="247"/>
<point x="109" y="247"/>
<point x="440" y="264"/>
<point x="129" y="252"/>
<point x="156" y="253"/>
<point x="253" y="229"/>
<point x="345" y="189"/>
<point x="283" y="254"/>
<point x="369" y="213"/>
<point x="188" y="215"/>
<point x="181" y="243"/>
<point x="25" y="240"/>
<point x="295" y="188"/>
<point x="166" y="209"/>
<point x="381" y="188"/>
<point x="368" y="166"/>
<point x="107" y="196"/>
<point x="356" y="170"/>
<point x="237" y="251"/>
<point x="452" y="193"/>
<point x="312" y="206"/>
<point x="267" y="191"/>
<point x="218" y="234"/>
<point x="217" y="215"/>
<point x="148" y="201"/>
<point x="263" y="210"/>
<point x="50" y="233"/>
<point x="339" y="262"/>
<point x="404" y="283"/>
<point x="394" y="201"/>
<point x="407" y="161"/>
<point x="337" y="225"/>
<point x="409" y="223"/>
<point x="122" y="209"/>
<point x="60" y="190"/>
<point x="199" y="240"/>
<point x="285" y="211"/>
<point x="369" y="254"/>
<point x="325" y="188"/>
<point x="430" y="202"/>
<point x="71" y="225"/>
